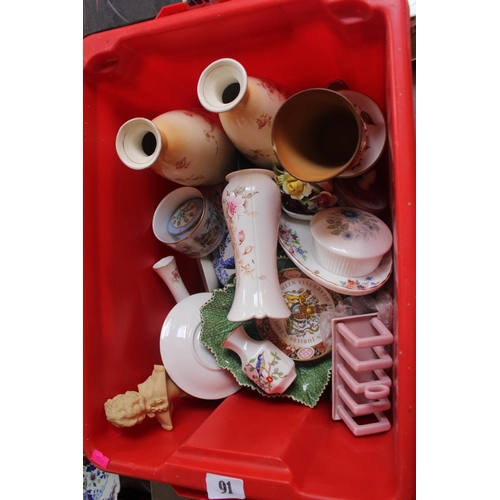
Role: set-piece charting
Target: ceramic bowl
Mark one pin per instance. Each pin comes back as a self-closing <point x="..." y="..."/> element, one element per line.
<point x="349" y="241"/>
<point x="199" y="227"/>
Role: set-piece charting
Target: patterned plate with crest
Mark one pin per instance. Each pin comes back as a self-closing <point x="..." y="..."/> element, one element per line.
<point x="299" y="335"/>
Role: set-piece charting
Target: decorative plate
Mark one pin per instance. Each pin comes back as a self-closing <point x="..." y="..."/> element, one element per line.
<point x="296" y="240"/>
<point x="312" y="378"/>
<point x="187" y="361"/>
<point x="296" y="211"/>
<point x="377" y="133"/>
<point x="223" y="259"/>
<point x="299" y="336"/>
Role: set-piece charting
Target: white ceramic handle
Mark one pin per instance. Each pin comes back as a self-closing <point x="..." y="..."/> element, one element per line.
<point x="166" y="269"/>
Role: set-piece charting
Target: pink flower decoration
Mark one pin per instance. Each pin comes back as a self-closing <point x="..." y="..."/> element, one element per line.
<point x="323" y="200"/>
<point x="235" y="205"/>
<point x="326" y="185"/>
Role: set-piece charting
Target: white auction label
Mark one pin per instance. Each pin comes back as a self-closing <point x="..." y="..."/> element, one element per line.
<point x="224" y="487"/>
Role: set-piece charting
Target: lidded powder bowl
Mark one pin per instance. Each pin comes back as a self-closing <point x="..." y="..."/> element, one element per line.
<point x="349" y="241"/>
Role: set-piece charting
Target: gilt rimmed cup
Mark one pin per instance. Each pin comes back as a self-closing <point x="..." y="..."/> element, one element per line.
<point x="204" y="222"/>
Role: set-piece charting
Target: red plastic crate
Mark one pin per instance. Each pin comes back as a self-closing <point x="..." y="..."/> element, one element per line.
<point x="279" y="448"/>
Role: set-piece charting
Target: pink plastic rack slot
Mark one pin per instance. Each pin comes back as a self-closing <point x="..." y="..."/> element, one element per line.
<point x="361" y="386"/>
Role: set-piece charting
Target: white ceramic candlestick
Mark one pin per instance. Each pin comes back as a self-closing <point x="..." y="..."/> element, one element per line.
<point x="252" y="205"/>
<point x="262" y="362"/>
<point x="166" y="269"/>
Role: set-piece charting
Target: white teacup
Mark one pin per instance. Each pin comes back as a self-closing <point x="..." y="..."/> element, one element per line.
<point x="203" y="223"/>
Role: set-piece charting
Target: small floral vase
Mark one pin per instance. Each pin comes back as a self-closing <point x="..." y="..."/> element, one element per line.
<point x="185" y="146"/>
<point x="167" y="270"/>
<point x="252" y="205"/>
<point x="246" y="105"/>
<point x="262" y="362"/>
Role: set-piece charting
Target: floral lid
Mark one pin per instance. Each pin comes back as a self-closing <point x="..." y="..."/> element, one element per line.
<point x="185" y="217"/>
<point x="349" y="241"/>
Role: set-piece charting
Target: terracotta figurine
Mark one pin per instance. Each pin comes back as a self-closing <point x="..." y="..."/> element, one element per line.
<point x="153" y="399"/>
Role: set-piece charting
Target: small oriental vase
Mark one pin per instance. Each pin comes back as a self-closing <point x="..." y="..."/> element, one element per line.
<point x="246" y="105"/>
<point x="262" y="362"/>
<point x="251" y="203"/>
<point x="188" y="147"/>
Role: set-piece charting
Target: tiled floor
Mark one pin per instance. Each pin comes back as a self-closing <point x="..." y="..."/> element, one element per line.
<point x="100" y="15"/>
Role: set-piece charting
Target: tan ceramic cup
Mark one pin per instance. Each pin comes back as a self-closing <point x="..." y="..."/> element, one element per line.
<point x="317" y="134"/>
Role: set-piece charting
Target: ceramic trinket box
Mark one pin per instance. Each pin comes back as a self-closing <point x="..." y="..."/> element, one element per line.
<point x="349" y="242"/>
<point x="297" y="241"/>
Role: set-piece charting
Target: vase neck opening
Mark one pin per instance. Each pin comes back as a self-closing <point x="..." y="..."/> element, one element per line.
<point x="138" y="143"/>
<point x="231" y="92"/>
<point x="250" y="172"/>
<point x="149" y="143"/>
<point x="222" y="85"/>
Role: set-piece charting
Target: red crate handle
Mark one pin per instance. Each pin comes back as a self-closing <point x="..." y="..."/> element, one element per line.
<point x="185" y="5"/>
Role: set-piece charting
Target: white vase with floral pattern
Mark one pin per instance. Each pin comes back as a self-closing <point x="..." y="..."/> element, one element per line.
<point x="167" y="270"/>
<point x="262" y="362"/>
<point x="185" y="146"/>
<point x="252" y="205"/>
<point x="246" y="105"/>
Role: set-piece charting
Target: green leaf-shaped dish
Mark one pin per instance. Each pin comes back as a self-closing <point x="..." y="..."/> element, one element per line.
<point x="312" y="377"/>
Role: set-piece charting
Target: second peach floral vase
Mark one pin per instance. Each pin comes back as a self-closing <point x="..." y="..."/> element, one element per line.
<point x="246" y="106"/>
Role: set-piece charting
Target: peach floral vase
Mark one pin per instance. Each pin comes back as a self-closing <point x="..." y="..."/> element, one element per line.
<point x="188" y="147"/>
<point x="246" y="105"/>
<point x="252" y="205"/>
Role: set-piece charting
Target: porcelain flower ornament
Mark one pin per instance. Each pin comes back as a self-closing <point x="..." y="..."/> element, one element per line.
<point x="296" y="188"/>
<point x="308" y="196"/>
